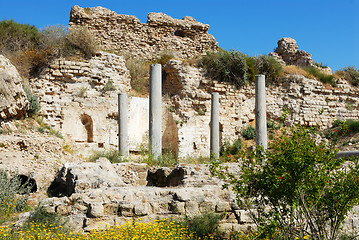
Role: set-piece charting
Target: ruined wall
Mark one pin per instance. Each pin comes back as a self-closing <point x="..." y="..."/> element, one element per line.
<point x="124" y="33"/>
<point x="74" y="100"/>
<point x="189" y="95"/>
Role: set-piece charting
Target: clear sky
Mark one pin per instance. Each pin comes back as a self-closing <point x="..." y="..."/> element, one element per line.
<point x="328" y="29"/>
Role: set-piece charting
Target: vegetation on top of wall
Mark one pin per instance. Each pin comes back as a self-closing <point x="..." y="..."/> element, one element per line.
<point x="351" y="74"/>
<point x="226" y="66"/>
<point x="237" y="68"/>
<point x="324" y="78"/>
<point x="16" y="36"/>
<point x="31" y="50"/>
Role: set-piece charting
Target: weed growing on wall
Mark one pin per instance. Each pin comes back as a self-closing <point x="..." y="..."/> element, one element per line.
<point x="34" y="105"/>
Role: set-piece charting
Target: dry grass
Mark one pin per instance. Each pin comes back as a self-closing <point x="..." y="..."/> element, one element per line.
<point x="292" y="69"/>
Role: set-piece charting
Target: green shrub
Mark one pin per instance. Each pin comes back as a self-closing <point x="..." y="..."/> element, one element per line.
<point x="17" y="36"/>
<point x="108" y="87"/>
<point x="351" y="74"/>
<point x="204" y="226"/>
<point x="297" y="188"/>
<point x="251" y="68"/>
<point x="113" y="156"/>
<point x="268" y="66"/>
<point x="226" y="66"/>
<point x="34" y="105"/>
<point x="353" y="125"/>
<point x="81" y="39"/>
<point x="249" y="132"/>
<point x="320" y="64"/>
<point x="228" y="149"/>
<point x="10" y="200"/>
<point x="324" y="78"/>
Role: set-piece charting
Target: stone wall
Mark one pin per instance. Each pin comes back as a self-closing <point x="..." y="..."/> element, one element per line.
<point x="184" y="38"/>
<point x="308" y="101"/>
<point x="13" y="100"/>
<point x="79" y="98"/>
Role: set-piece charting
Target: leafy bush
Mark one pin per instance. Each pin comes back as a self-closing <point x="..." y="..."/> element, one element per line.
<point x="324" y="78"/>
<point x="320" y="64"/>
<point x="268" y="66"/>
<point x="204" y="226"/>
<point x="226" y="66"/>
<point x="353" y="126"/>
<point x="297" y="188"/>
<point x="16" y="36"/>
<point x="228" y="150"/>
<point x="249" y="132"/>
<point x="81" y="39"/>
<point x="34" y="105"/>
<point x="351" y="74"/>
<point x="10" y="200"/>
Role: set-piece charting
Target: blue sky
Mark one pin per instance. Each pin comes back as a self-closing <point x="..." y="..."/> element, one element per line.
<point x="329" y="30"/>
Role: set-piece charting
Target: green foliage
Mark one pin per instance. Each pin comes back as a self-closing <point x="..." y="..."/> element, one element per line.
<point x="10" y="200"/>
<point x="81" y="39"/>
<point x="296" y="188"/>
<point x="249" y="132"/>
<point x="34" y="105"/>
<point x="108" y="87"/>
<point x="351" y="74"/>
<point x="204" y="226"/>
<point x="320" y="64"/>
<point x="273" y="125"/>
<point x="353" y="126"/>
<point x="229" y="151"/>
<point x="268" y="66"/>
<point x="324" y="78"/>
<point x="113" y="156"/>
<point x="341" y="128"/>
<point x="16" y="36"/>
<point x="226" y="66"/>
<point x="168" y="159"/>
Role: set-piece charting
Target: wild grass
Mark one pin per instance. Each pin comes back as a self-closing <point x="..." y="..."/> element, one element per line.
<point x="114" y="156"/>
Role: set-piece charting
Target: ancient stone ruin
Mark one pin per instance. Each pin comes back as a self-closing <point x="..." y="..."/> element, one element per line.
<point x="13" y="100"/>
<point x="184" y="38"/>
<point x="287" y="53"/>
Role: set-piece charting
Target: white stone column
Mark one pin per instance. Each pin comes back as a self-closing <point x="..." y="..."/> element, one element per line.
<point x="155" y="119"/>
<point x="122" y="124"/>
<point x="261" y="118"/>
<point x="214" y="145"/>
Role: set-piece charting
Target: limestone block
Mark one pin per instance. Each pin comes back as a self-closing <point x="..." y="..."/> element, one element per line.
<point x="126" y="210"/>
<point x="96" y="210"/>
<point x="110" y="208"/>
<point x="98" y="223"/>
<point x="63" y="210"/>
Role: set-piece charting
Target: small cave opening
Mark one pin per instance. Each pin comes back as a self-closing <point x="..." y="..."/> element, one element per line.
<point x="180" y="33"/>
<point x="86" y="120"/>
<point x="27" y="183"/>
